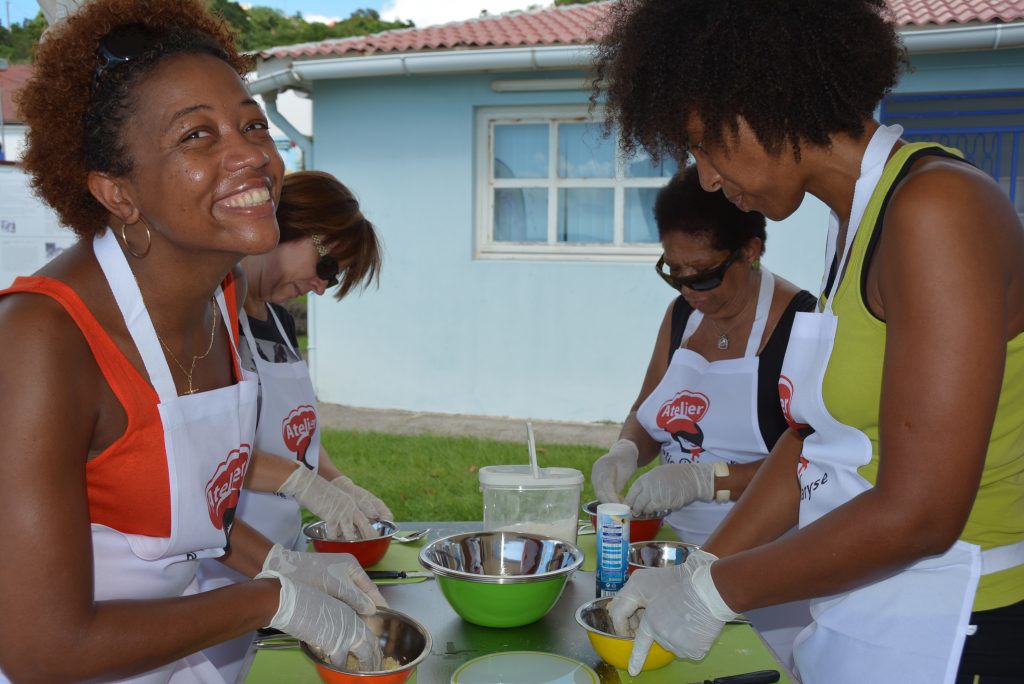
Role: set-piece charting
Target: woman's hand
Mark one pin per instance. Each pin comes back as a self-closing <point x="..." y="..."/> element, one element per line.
<point x="682" y="609"/>
<point x="672" y="486"/>
<point x="336" y="508"/>
<point x="336" y="574"/>
<point x="370" y="506"/>
<point x="329" y="626"/>
<point x="612" y="471"/>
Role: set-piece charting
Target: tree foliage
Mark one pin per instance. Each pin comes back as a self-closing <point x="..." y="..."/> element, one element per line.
<point x="257" y="28"/>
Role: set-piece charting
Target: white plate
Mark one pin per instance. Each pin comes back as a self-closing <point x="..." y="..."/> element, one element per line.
<point x="524" y="667"/>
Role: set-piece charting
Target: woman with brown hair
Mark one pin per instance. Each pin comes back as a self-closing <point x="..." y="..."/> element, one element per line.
<point x="127" y="420"/>
<point x="325" y="242"/>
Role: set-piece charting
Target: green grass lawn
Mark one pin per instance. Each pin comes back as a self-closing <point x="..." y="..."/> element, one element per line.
<point x="436" y="477"/>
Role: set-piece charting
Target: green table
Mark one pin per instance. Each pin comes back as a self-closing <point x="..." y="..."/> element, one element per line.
<point x="739" y="649"/>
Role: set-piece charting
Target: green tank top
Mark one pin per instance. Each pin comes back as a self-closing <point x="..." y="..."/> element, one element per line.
<point x="852" y="389"/>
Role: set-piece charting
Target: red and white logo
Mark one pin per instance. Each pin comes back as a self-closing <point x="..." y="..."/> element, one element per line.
<point x="801" y="467"/>
<point x="679" y="417"/>
<point x="297" y="430"/>
<point x="786" y="394"/>
<point x="222" y="489"/>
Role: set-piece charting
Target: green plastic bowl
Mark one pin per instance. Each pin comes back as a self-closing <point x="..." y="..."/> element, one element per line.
<point x="501" y="579"/>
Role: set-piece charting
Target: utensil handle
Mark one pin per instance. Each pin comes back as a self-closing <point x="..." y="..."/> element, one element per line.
<point x="759" y="677"/>
<point x="385" y="574"/>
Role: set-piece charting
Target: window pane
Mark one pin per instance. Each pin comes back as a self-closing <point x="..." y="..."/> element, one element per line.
<point x="521" y="151"/>
<point x="641" y="166"/>
<point x="639" y="219"/>
<point x="584" y="153"/>
<point x="585" y="214"/>
<point x="521" y="215"/>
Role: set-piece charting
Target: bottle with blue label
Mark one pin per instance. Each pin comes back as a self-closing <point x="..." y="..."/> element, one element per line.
<point x="612" y="548"/>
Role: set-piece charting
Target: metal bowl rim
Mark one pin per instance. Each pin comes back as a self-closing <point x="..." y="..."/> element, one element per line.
<point x="451" y="573"/>
<point x="594" y="630"/>
<point x="385" y="523"/>
<point x="657" y="515"/>
<point x="427" y="647"/>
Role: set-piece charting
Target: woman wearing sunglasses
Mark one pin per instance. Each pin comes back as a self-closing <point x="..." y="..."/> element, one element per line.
<point x="708" y="408"/>
<point x="325" y="242"/>
<point x="903" y="467"/>
<point x="127" y="420"/>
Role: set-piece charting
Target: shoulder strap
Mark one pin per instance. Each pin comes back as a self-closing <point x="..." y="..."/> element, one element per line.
<point x="932" y="150"/>
<point x="681" y="311"/>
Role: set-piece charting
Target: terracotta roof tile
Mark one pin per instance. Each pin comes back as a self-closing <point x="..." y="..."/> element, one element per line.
<point x="10" y="80"/>
<point x="578" y="25"/>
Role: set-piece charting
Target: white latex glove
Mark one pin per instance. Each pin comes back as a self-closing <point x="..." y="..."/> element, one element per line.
<point x="336" y="508"/>
<point x="336" y="574"/>
<point x="612" y="471"/>
<point x="683" y="610"/>
<point x="372" y="507"/>
<point x="670" y="487"/>
<point x="329" y="626"/>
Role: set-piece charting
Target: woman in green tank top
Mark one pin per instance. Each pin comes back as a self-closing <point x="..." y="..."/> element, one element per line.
<point x="904" y="464"/>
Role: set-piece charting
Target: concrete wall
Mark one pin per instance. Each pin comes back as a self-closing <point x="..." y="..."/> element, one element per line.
<point x="556" y="340"/>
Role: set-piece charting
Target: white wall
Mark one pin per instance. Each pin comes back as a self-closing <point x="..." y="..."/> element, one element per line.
<point x="557" y="340"/>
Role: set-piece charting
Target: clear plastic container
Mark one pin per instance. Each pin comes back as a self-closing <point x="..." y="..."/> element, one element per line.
<point x="515" y="500"/>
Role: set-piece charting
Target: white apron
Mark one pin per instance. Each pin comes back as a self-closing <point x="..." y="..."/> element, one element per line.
<point x="910" y="627"/>
<point x="711" y="406"/>
<point x="288" y="426"/>
<point x="207" y="439"/>
<point x="705" y="411"/>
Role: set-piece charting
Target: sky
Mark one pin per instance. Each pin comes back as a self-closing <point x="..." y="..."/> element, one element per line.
<point x="422" y="12"/>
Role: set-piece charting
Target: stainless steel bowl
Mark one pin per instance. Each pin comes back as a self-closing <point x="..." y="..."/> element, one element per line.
<point x="659" y="554"/>
<point x="400" y="637"/>
<point x="501" y="557"/>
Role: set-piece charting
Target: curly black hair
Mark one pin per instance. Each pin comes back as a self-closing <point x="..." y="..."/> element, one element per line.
<point x="76" y="116"/>
<point x="798" y="71"/>
<point x="684" y="206"/>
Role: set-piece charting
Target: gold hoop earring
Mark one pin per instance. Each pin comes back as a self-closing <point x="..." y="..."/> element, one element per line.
<point x="755" y="265"/>
<point x="149" y="239"/>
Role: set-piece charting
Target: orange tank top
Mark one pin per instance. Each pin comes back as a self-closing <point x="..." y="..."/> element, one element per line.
<point x="127" y="484"/>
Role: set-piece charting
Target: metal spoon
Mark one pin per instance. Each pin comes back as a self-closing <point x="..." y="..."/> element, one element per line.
<point x="409" y="537"/>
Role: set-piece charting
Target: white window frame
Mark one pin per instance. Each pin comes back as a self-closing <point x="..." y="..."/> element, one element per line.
<point x="485" y="184"/>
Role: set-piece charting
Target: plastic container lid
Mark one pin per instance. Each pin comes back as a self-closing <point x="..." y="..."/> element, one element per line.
<point x="522" y="476"/>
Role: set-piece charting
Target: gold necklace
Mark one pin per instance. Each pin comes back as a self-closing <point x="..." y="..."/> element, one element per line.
<point x="723" y="336"/>
<point x="197" y="358"/>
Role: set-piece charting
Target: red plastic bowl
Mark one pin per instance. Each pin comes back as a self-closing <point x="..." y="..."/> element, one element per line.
<point x="367" y="551"/>
<point x="640" y="529"/>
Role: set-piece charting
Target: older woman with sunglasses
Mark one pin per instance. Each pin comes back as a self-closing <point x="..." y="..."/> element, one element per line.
<point x="325" y="242"/>
<point x="709" y="404"/>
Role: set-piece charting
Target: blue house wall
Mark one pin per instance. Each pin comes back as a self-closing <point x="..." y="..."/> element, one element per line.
<point x="542" y="339"/>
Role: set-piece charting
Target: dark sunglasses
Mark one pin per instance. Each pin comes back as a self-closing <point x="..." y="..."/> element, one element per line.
<point x="700" y="282"/>
<point x="122" y="45"/>
<point x="328" y="267"/>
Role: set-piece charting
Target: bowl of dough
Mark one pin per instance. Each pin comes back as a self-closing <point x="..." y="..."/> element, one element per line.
<point x="367" y="551"/>
<point x="404" y="642"/>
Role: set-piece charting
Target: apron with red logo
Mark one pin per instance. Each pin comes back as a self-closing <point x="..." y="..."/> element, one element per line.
<point x="207" y="441"/>
<point x="908" y="628"/>
<point x="287" y="427"/>
<point x="706" y="411"/>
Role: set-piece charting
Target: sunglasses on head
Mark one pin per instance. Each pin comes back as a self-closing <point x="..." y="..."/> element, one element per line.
<point x="700" y="282"/>
<point x="327" y="267"/>
<point x="122" y="45"/>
